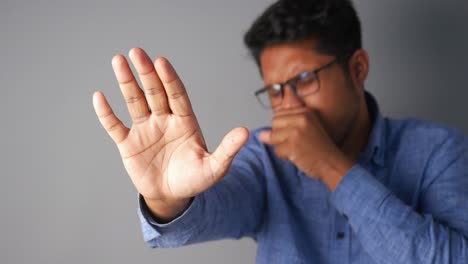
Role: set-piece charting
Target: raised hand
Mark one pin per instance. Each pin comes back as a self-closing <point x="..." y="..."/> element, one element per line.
<point x="163" y="152"/>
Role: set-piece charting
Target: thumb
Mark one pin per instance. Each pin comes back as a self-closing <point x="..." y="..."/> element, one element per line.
<point x="220" y="160"/>
<point x="265" y="136"/>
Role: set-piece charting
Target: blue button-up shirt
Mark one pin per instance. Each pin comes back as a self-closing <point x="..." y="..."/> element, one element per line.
<point x="404" y="201"/>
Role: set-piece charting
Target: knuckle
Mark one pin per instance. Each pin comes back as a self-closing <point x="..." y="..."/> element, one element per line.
<point x="106" y="116"/>
<point x="153" y="91"/>
<point x="275" y="138"/>
<point x="113" y="127"/>
<point x="133" y="99"/>
<point x="177" y="94"/>
<point x="139" y="119"/>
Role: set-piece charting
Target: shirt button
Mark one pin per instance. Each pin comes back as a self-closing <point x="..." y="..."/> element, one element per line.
<point x="340" y="235"/>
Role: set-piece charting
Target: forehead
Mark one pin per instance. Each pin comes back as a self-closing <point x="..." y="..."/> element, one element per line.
<point x="282" y="61"/>
<point x="305" y="47"/>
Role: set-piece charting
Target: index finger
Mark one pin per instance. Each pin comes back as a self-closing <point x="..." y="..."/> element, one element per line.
<point x="177" y="96"/>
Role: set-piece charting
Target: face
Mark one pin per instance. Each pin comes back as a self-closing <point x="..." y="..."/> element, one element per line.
<point x="340" y="96"/>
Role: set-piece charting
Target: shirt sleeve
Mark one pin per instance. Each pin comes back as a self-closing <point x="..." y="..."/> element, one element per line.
<point x="392" y="232"/>
<point x="232" y="208"/>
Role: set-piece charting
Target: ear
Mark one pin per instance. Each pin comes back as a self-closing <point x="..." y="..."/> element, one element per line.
<point x="359" y="67"/>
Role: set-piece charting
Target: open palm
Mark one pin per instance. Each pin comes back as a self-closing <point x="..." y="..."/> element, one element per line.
<point x="164" y="151"/>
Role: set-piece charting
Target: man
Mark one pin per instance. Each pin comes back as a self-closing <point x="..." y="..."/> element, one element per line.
<point x="332" y="181"/>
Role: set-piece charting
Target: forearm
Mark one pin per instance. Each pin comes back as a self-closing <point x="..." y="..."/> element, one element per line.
<point x="209" y="217"/>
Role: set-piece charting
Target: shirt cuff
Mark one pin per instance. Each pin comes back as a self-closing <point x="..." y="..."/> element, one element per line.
<point x="358" y="195"/>
<point x="185" y="224"/>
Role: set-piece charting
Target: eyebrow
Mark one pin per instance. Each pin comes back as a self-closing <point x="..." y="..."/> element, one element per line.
<point x="297" y="69"/>
<point x="300" y="68"/>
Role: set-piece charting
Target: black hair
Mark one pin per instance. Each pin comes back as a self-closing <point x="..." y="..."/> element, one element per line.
<point x="334" y="23"/>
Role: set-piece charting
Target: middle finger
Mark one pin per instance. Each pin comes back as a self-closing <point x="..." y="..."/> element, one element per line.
<point x="134" y="97"/>
<point x="154" y="89"/>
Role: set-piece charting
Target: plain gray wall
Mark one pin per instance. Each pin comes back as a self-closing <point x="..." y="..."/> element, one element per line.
<point x="65" y="196"/>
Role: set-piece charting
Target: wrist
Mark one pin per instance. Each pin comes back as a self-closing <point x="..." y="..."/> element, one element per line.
<point x="165" y="211"/>
<point x="334" y="171"/>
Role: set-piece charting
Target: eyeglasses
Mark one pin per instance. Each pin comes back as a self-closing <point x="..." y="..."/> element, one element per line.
<point x="304" y="84"/>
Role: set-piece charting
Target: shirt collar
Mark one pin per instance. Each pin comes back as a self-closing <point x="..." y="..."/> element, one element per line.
<point x="375" y="149"/>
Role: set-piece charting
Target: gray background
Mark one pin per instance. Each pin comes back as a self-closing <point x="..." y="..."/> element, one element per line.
<point x="64" y="194"/>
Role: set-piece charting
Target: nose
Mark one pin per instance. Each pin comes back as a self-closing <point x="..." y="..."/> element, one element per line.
<point x="290" y="99"/>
